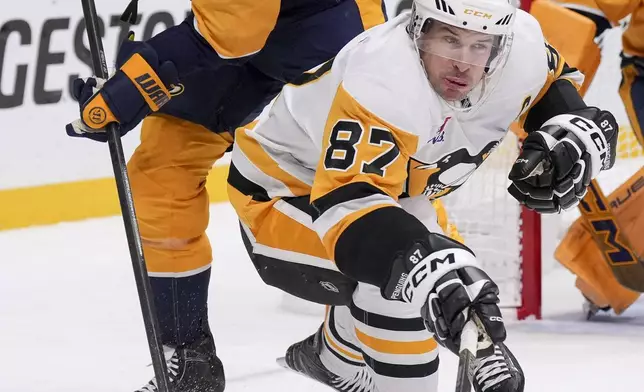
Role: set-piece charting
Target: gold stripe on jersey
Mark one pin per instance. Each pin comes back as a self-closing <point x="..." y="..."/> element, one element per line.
<point x="359" y="150"/>
<point x="250" y="211"/>
<point x="349" y="120"/>
<point x="338" y="319"/>
<point x="340" y="350"/>
<point x="274" y="229"/>
<point x="282" y="232"/>
<point x="395" y="342"/>
<point x="331" y="237"/>
<point x="371" y="12"/>
<point x="396" y="347"/>
<point x="256" y="154"/>
<point x="236" y="28"/>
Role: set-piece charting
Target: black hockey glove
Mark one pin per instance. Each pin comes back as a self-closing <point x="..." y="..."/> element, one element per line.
<point x="442" y="277"/>
<point x="558" y="162"/>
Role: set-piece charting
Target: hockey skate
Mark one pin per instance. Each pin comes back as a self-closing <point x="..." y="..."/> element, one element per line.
<point x="590" y="309"/>
<point x="304" y="358"/>
<point x="498" y="372"/>
<point x="192" y="368"/>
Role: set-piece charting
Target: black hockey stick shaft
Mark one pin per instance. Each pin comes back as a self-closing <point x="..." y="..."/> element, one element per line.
<point x="126" y="201"/>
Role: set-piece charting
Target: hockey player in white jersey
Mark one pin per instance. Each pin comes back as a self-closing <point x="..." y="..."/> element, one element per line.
<point x="334" y="186"/>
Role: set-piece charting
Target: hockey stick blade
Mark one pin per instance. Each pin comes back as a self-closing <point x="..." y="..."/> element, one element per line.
<point x="607" y="232"/>
<point x="466" y="356"/>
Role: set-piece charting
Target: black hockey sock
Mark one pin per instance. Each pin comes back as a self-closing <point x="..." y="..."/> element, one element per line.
<point x="181" y="305"/>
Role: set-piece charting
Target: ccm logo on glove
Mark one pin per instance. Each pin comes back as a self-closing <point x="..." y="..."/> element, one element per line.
<point x="419" y="273"/>
<point x="559" y="161"/>
<point x="418" y="269"/>
<point x="597" y="138"/>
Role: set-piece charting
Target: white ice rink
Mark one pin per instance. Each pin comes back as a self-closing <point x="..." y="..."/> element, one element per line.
<point x="70" y="321"/>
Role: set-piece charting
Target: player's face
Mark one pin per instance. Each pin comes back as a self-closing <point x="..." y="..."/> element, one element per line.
<point x="455" y="58"/>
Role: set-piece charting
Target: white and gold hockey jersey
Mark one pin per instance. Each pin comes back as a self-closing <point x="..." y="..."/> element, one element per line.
<point x="366" y="128"/>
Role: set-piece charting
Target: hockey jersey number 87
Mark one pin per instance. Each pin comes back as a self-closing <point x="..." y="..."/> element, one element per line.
<point x="358" y="132"/>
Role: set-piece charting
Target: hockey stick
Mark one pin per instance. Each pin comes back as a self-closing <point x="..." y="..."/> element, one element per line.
<point x="119" y="166"/>
<point x="466" y="356"/>
<point x="607" y="232"/>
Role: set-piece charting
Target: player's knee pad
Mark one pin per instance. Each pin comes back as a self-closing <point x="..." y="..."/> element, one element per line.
<point x="582" y="256"/>
<point x="579" y="253"/>
<point x="631" y="90"/>
<point x="168" y="173"/>
<point x="167" y="205"/>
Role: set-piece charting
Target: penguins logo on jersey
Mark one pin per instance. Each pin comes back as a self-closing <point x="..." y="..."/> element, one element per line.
<point x="447" y="174"/>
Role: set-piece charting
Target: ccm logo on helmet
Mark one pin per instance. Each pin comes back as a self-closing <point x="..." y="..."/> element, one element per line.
<point x="478" y="14"/>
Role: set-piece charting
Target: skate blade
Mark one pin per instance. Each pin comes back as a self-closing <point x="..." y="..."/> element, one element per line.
<point x="282" y="362"/>
<point x="590" y="309"/>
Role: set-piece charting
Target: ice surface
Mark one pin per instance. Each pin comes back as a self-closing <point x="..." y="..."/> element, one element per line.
<point x="70" y="321"/>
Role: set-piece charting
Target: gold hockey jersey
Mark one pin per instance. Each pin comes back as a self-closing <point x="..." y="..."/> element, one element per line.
<point x="614" y="11"/>
<point x="237" y="28"/>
